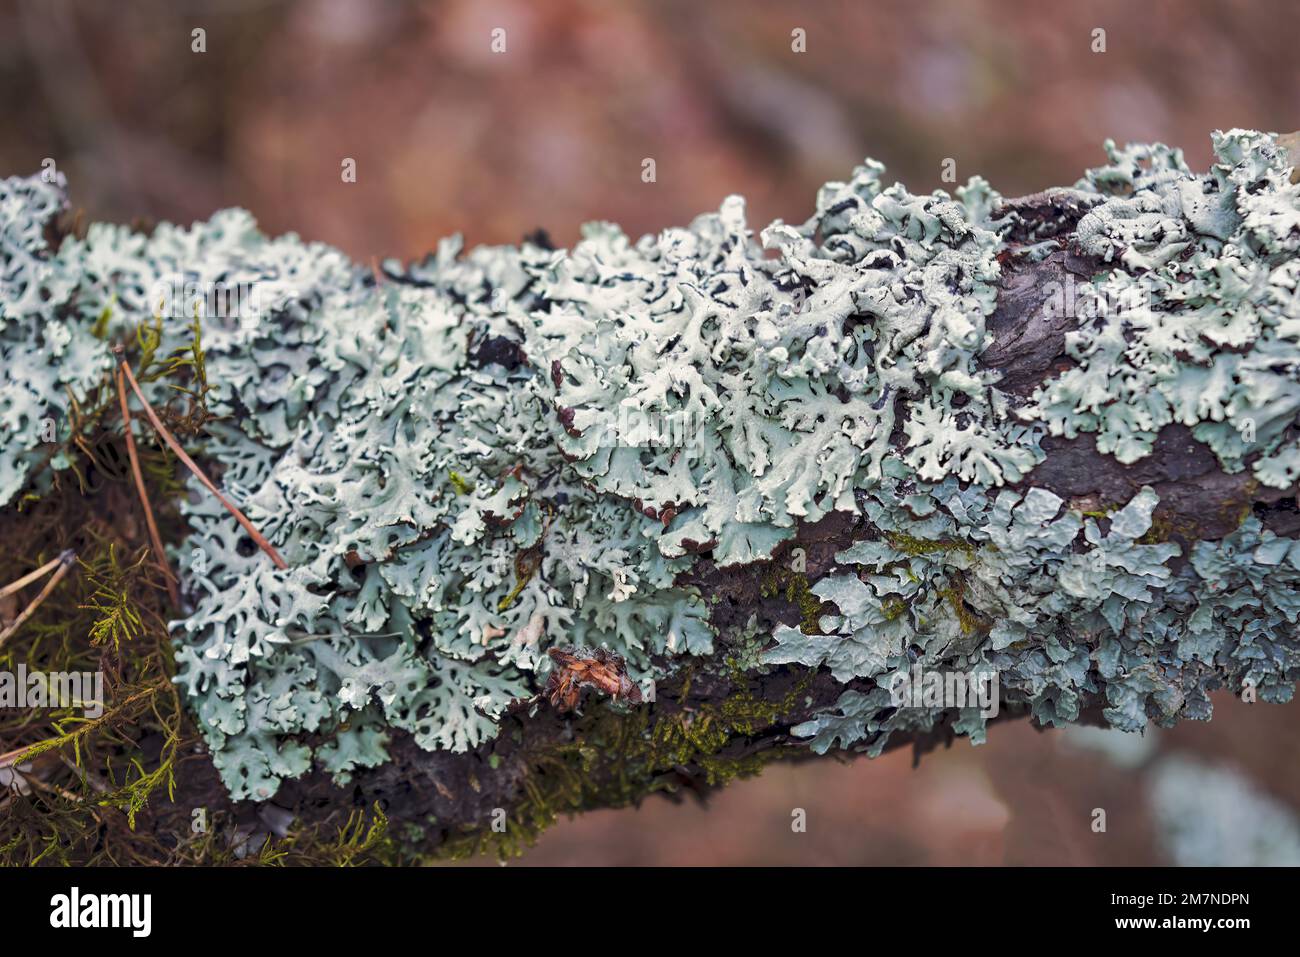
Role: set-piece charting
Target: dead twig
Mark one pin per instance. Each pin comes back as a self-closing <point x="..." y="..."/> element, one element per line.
<point x="65" y="562"/>
<point x="20" y="584"/>
<point x="160" y="556"/>
<point x="175" y="446"/>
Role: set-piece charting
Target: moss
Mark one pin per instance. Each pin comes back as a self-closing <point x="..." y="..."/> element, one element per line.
<point x="894" y="608"/>
<point x="794" y="588"/>
<point x="108" y="615"/>
<point x="617" y="759"/>
<point x="459" y="483"/>
<point x="913" y="547"/>
<point x="955" y="595"/>
<point x="1106" y="511"/>
<point x="362" y="838"/>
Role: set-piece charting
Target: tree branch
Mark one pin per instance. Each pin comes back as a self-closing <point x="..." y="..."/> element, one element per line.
<point x="1183" y="523"/>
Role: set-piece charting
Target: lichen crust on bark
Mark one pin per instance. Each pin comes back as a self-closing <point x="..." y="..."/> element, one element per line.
<point x="1050" y="439"/>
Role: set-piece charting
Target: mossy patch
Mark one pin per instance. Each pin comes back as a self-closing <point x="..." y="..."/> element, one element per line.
<point x="794" y="588"/>
<point x="618" y="759"/>
<point x="914" y="547"/>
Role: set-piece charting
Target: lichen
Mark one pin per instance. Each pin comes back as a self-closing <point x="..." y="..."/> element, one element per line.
<point x="1203" y="326"/>
<point x="474" y="459"/>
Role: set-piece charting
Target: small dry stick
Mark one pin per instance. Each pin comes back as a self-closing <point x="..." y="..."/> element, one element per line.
<point x="189" y="463"/>
<point x="20" y="584"/>
<point x="65" y="562"/>
<point x="160" y="556"/>
<point x="55" y="789"/>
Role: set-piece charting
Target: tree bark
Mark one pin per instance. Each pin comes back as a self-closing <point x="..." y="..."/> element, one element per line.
<point x="714" y="720"/>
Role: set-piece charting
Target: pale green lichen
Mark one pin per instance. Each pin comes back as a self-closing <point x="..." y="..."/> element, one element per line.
<point x="1206" y="326"/>
<point x="1068" y="621"/>
<point x="493" y="453"/>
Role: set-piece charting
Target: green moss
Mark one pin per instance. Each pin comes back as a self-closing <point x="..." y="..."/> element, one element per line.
<point x="955" y="595"/>
<point x="1104" y="512"/>
<point x="108" y="615"/>
<point x="913" y="547"/>
<point x="894" y="608"/>
<point x="459" y="483"/>
<point x="795" y="589"/>
<point x="617" y="759"/>
<point x="105" y="787"/>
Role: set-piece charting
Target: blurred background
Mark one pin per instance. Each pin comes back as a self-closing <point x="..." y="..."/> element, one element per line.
<point x="450" y="136"/>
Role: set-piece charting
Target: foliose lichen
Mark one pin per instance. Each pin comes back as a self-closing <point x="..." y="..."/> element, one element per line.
<point x="1203" y="327"/>
<point x="473" y="459"/>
